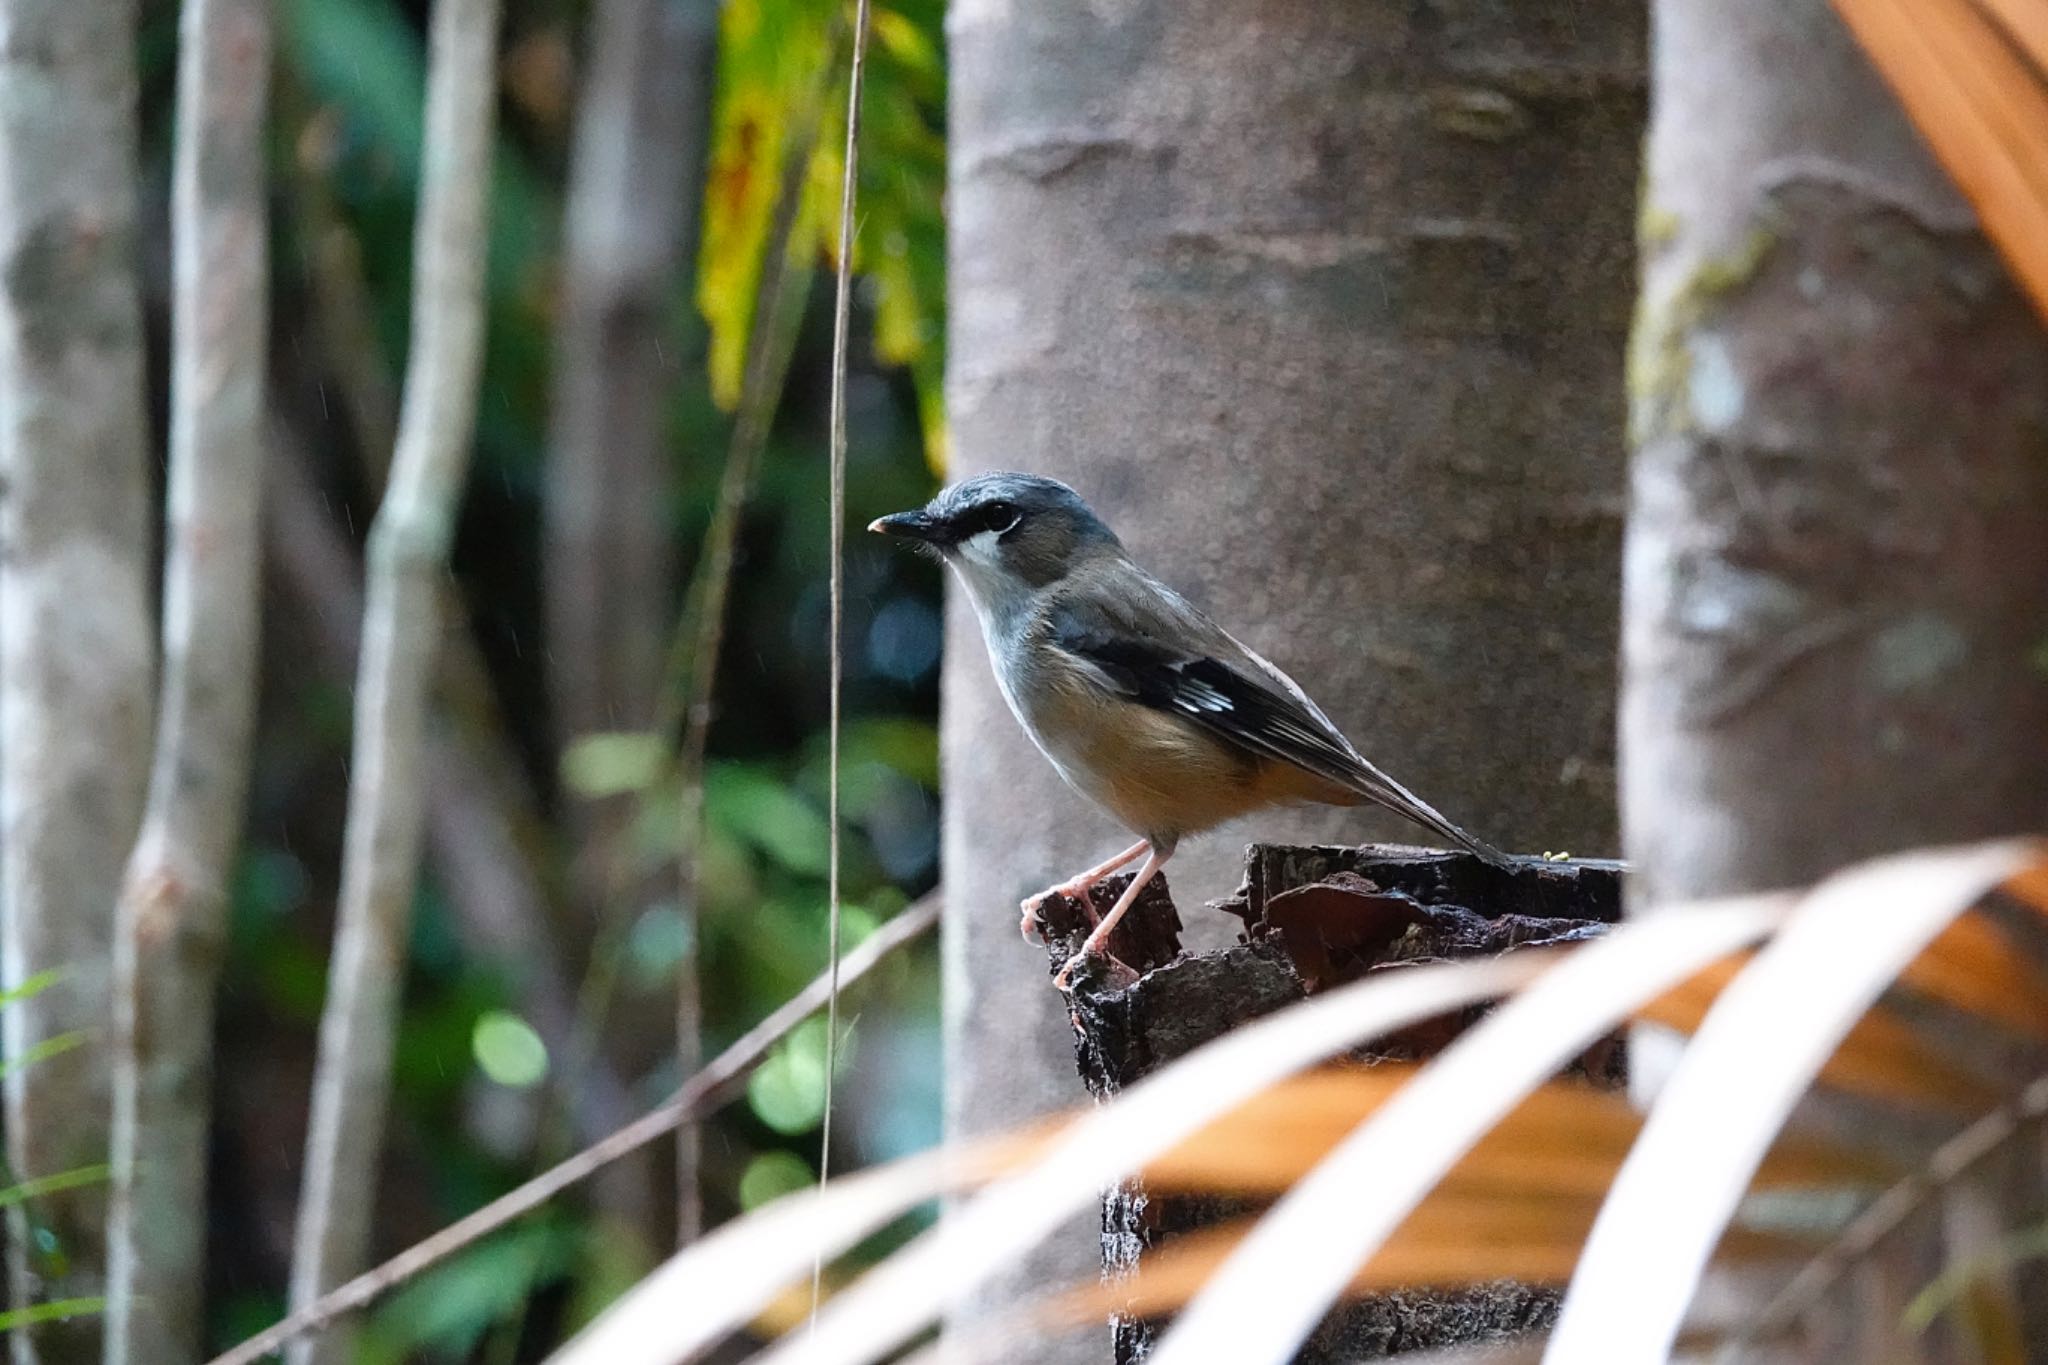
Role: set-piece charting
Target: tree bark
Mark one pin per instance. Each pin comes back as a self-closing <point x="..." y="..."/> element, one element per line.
<point x="1839" y="533"/>
<point x="75" y="671"/>
<point x="172" y="921"/>
<point x="1315" y="919"/>
<point x="1324" y="307"/>
<point x="1834" y="604"/>
<point x="401" y="627"/>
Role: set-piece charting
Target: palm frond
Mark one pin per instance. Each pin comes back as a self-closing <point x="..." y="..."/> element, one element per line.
<point x="1756" y="1053"/>
<point x="1960" y="74"/>
<point x="1277" y="1284"/>
<point x="1479" y="1165"/>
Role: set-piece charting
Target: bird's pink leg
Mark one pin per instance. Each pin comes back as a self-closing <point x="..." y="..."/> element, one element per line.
<point x="1077" y="888"/>
<point x="1153" y="862"/>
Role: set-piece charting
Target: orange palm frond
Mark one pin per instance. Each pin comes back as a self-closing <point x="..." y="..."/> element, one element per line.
<point x="1960" y="73"/>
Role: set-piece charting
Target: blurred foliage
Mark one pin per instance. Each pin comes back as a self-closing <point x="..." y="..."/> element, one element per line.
<point x="21" y="1200"/>
<point x="479" y="1097"/>
<point x="777" y="65"/>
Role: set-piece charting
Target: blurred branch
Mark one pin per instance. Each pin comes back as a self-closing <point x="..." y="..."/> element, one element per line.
<point x="171" y="922"/>
<point x="636" y="192"/>
<point x="701" y="1094"/>
<point x="408" y="550"/>
<point x="75" y="675"/>
<point x="482" y="829"/>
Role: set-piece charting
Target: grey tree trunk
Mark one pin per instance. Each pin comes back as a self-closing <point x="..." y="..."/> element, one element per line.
<point x="1837" y="586"/>
<point x="1324" y="306"/>
<point x="1836" y="596"/>
<point x="75" y="667"/>
<point x="172" y="923"/>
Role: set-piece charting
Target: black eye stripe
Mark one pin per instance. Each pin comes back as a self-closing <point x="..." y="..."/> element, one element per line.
<point x="998" y="517"/>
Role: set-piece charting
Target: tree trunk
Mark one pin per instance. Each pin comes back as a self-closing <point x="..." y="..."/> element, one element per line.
<point x="75" y="671"/>
<point x="1315" y="919"/>
<point x="1834" y="603"/>
<point x="1838" y="543"/>
<point x="172" y="922"/>
<point x="1324" y="307"/>
<point x="402" y="623"/>
<point x="635" y="184"/>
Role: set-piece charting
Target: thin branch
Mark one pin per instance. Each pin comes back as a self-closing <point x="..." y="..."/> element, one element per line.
<point x="698" y="1096"/>
<point x="1955" y="1159"/>
<point x="842" y="302"/>
<point x="630" y="224"/>
<point x="171" y="923"/>
<point x="408" y="551"/>
<point x="75" y="610"/>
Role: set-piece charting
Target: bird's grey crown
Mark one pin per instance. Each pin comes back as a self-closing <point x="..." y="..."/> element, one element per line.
<point x="1034" y="496"/>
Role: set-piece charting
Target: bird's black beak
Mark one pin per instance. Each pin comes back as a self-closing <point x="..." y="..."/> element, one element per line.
<point x="913" y="525"/>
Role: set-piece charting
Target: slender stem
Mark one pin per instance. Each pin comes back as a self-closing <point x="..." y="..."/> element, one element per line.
<point x="401" y="628"/>
<point x="842" y="300"/>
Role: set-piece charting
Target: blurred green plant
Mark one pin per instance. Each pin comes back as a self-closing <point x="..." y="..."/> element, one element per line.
<point x="472" y="1085"/>
<point x="18" y="1198"/>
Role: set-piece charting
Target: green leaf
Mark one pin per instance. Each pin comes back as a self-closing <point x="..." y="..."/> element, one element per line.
<point x="57" y="1310"/>
<point x="1949" y="1288"/>
<point x="767" y="813"/>
<point x="54" y="1184"/>
<point x="508" y="1050"/>
<point x="33" y="987"/>
<point x="787" y="1091"/>
<point x="771" y="1175"/>
<point x="42" y="1052"/>
<point x="613" y="763"/>
<point x="449" y="1308"/>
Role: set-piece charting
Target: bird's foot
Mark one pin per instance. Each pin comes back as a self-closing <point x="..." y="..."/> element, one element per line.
<point x="1120" y="973"/>
<point x="1074" y="891"/>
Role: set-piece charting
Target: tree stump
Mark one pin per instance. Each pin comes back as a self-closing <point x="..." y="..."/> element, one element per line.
<point x="1318" y="917"/>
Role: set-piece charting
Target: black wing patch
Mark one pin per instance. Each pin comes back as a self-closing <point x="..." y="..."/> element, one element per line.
<point x="1219" y="698"/>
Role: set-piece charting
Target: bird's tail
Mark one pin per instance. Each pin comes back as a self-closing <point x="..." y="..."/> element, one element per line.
<point x="1375" y="786"/>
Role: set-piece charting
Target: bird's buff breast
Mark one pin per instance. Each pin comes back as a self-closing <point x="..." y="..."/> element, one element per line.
<point x="1158" y="775"/>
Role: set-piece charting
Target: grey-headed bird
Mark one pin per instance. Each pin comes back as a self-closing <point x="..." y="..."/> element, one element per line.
<point x="1143" y="703"/>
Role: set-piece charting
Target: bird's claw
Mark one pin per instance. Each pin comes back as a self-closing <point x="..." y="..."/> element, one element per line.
<point x="1121" y="973"/>
<point x="1027" y="924"/>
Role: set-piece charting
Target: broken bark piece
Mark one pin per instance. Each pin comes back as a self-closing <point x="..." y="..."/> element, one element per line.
<point x="1316" y="918"/>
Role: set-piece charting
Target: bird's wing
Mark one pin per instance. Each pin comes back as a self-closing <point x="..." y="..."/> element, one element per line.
<point x="1148" y="645"/>
<point x="1155" y="649"/>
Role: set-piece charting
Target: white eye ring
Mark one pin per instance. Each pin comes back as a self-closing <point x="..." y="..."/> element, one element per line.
<point x="1010" y="525"/>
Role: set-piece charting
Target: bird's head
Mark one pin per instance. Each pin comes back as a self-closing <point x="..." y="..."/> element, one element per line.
<point x="1005" y="532"/>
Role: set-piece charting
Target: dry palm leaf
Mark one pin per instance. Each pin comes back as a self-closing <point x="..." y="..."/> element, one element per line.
<point x="1522" y="1162"/>
<point x="1966" y="86"/>
<point x="731" y="1273"/>
<point x="1755" y="1054"/>
<point x="1277" y="1285"/>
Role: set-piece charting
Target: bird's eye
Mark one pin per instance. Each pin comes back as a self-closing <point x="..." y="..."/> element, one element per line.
<point x="1000" y="517"/>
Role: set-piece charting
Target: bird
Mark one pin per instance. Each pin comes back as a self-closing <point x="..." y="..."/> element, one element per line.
<point x="1141" y="702"/>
